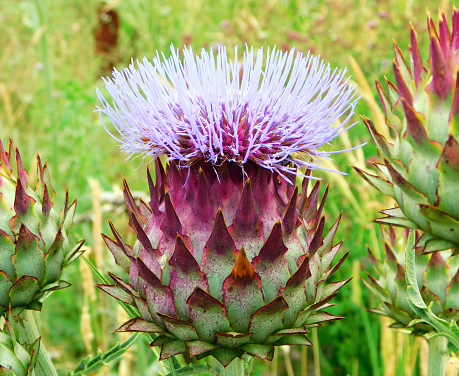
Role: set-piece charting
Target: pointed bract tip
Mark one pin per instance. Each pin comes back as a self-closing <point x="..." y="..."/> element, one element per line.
<point x="441" y="14"/>
<point x="242" y="268"/>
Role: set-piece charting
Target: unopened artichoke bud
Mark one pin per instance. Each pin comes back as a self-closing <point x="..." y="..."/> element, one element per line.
<point x="17" y="359"/>
<point x="421" y="167"/>
<point x="437" y="275"/>
<point x="230" y="258"/>
<point x="34" y="244"/>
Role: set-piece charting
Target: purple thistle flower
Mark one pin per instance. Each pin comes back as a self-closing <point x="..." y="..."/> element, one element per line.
<point x="223" y="260"/>
<point x="218" y="110"/>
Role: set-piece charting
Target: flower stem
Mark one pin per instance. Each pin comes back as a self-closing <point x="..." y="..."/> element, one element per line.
<point x="28" y="332"/>
<point x="438" y="355"/>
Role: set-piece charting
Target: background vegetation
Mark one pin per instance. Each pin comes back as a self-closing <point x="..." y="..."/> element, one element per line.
<point x="49" y="70"/>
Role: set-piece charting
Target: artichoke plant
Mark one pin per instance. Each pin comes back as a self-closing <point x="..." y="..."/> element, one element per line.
<point x="230" y="258"/>
<point x="437" y="276"/>
<point x="34" y="244"/>
<point x="421" y="167"/>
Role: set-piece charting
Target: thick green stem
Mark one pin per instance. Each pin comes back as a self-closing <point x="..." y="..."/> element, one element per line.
<point x="235" y="368"/>
<point x="315" y="351"/>
<point x="28" y="332"/>
<point x="438" y="355"/>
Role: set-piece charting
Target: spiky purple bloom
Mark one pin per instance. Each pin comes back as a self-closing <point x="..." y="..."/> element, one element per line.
<point x="217" y="110"/>
<point x="225" y="263"/>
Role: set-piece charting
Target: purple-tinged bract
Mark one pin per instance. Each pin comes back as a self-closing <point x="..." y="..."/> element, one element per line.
<point x="225" y="265"/>
<point x="277" y="114"/>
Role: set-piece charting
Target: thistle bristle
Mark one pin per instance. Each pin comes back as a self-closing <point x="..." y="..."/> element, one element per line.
<point x="240" y="127"/>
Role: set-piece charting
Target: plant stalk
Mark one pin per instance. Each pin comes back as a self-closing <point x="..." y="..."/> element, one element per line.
<point x="438" y="355"/>
<point x="315" y="351"/>
<point x="28" y="332"/>
<point x="235" y="368"/>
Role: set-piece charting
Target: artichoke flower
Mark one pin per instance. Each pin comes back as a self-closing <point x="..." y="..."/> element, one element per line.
<point x="34" y="244"/>
<point x="437" y="275"/>
<point x="421" y="167"/>
<point x="230" y="258"/>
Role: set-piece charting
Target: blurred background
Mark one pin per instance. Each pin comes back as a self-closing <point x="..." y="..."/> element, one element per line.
<point x="52" y="55"/>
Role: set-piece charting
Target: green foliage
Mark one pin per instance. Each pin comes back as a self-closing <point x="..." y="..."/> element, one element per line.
<point x="94" y="362"/>
<point x="450" y="330"/>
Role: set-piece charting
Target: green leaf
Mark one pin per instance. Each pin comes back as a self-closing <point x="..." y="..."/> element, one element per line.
<point x="93" y="363"/>
<point x="410" y="272"/>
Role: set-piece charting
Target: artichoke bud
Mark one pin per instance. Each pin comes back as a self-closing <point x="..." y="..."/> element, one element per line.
<point x="34" y="244"/>
<point x="420" y="167"/>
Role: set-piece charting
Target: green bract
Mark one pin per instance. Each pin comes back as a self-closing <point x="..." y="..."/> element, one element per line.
<point x="34" y="247"/>
<point x="16" y="358"/>
<point x="421" y="167"/>
<point x="437" y="277"/>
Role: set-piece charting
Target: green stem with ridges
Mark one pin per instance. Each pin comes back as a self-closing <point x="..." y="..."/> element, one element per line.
<point x="315" y="351"/>
<point x="235" y="368"/>
<point x="438" y="355"/>
<point x="28" y="333"/>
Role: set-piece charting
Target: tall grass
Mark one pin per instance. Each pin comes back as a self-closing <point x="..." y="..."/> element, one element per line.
<point x="48" y="74"/>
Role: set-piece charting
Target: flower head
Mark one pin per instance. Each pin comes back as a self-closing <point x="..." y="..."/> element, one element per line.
<point x="203" y="108"/>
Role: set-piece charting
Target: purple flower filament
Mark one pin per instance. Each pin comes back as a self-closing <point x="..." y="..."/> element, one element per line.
<point x="217" y="110"/>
